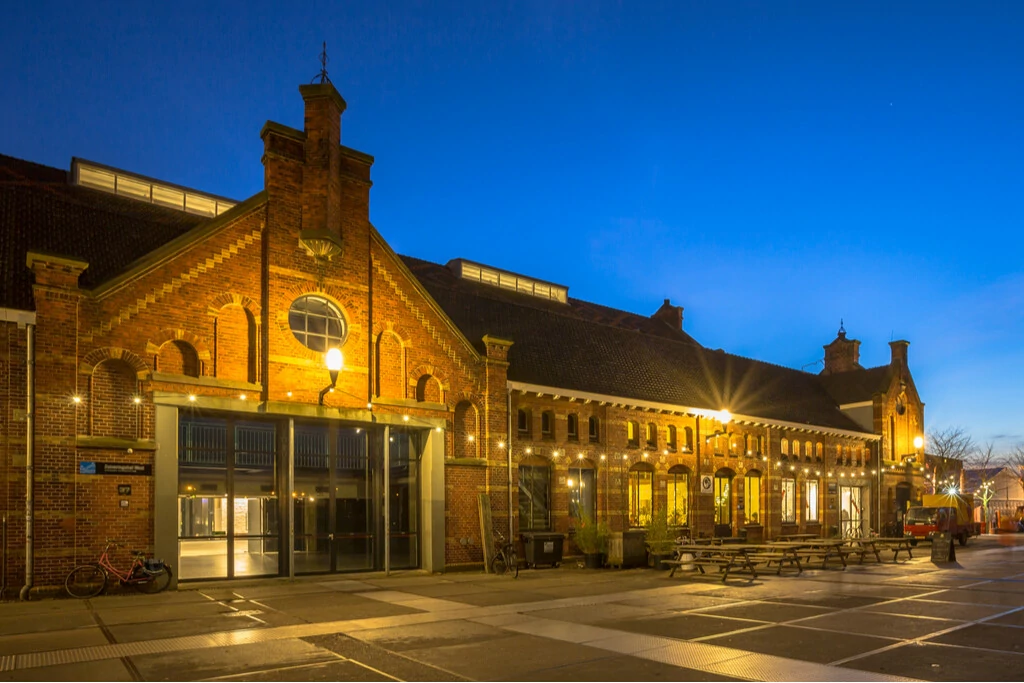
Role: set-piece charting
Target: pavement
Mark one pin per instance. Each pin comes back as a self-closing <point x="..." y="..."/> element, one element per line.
<point x="872" y="622"/>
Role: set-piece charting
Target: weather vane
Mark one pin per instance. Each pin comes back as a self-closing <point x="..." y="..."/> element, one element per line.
<point x="842" y="330"/>
<point x="323" y="67"/>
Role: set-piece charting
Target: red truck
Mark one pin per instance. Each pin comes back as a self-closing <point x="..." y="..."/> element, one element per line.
<point x="938" y="513"/>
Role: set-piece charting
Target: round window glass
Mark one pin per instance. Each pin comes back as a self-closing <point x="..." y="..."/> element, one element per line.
<point x="317" y="323"/>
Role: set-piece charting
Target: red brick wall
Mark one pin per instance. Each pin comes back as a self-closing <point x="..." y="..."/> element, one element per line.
<point x="390" y="373"/>
<point x="462" y="513"/>
<point x="236" y="344"/>
<point x="178" y="358"/>
<point x="110" y="404"/>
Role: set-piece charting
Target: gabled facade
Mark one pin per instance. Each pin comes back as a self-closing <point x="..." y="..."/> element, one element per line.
<point x="163" y="354"/>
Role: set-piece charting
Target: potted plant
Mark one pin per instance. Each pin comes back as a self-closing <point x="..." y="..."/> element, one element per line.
<point x="659" y="541"/>
<point x="592" y="540"/>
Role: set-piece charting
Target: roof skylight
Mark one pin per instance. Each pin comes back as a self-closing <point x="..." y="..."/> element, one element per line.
<point x="503" y="279"/>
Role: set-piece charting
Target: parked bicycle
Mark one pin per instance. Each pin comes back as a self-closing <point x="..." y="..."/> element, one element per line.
<point x="144" y="574"/>
<point x="505" y="561"/>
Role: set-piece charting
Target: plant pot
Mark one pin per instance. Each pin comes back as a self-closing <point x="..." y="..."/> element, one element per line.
<point x="657" y="560"/>
<point x="592" y="560"/>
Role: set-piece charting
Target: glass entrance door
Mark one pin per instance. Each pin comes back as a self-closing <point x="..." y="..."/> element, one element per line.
<point x="850" y="517"/>
<point x="338" y="501"/>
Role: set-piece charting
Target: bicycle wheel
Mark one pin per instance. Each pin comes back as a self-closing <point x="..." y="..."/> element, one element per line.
<point x="513" y="568"/>
<point x="498" y="564"/>
<point x="151" y="582"/>
<point x="86" y="581"/>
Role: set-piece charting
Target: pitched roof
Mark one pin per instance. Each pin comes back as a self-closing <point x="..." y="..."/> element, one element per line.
<point x="41" y="210"/>
<point x="854" y="386"/>
<point x="587" y="347"/>
<point x="973" y="478"/>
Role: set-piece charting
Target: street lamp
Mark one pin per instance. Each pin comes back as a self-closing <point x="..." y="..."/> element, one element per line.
<point x="334" y="361"/>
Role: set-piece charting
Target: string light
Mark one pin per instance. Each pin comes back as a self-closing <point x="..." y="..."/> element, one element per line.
<point x="405" y="418"/>
<point x="192" y="398"/>
<point x="136" y="400"/>
<point x="76" y="399"/>
<point x="241" y="396"/>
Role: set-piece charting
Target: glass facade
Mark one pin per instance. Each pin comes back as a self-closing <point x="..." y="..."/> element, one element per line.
<point x="230" y="473"/>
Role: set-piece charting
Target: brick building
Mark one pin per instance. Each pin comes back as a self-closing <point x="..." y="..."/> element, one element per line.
<point x="163" y="360"/>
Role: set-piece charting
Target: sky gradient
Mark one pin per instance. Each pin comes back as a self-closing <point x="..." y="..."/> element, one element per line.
<point x="773" y="167"/>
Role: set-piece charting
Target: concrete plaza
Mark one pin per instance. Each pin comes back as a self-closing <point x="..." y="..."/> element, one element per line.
<point x="911" y="620"/>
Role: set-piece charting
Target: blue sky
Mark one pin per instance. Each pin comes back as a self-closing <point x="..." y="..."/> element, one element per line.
<point x="771" y="166"/>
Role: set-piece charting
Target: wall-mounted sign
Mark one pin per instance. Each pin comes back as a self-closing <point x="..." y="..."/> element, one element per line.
<point x="832" y="487"/>
<point x="89" y="467"/>
<point x="706" y="483"/>
<point x="124" y="489"/>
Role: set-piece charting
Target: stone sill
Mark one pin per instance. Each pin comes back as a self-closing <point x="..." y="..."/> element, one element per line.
<point x="471" y="462"/>
<point x="206" y="381"/>
<point x="409" y="403"/>
<point x="110" y="442"/>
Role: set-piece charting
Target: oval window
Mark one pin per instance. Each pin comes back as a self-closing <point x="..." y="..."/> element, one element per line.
<point x="317" y="323"/>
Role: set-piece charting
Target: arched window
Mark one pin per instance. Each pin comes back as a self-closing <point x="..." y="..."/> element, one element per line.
<point x="750" y="444"/>
<point x="788" y="504"/>
<point x="574" y="427"/>
<point x="641" y="494"/>
<point x="688" y="435"/>
<point x="428" y="389"/>
<point x="819" y="450"/>
<point x="652" y="435"/>
<point x="811" y="500"/>
<point x="760" y="445"/>
<point x="236" y="344"/>
<point x="678" y="488"/>
<point x="723" y="496"/>
<point x="178" y="357"/>
<point x="523" y="423"/>
<point x="595" y="429"/>
<point x="839" y="454"/>
<point x="547" y="424"/>
<point x="671" y="440"/>
<point x="785" y="447"/>
<point x="534" y="495"/>
<point x="796" y="448"/>
<point x="808" y="450"/>
<point x="582" y="485"/>
<point x="752" y="497"/>
<point x="113" y="386"/>
<point x="633" y="434"/>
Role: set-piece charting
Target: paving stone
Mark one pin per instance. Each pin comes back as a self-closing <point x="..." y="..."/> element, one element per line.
<point x="621" y="668"/>
<point x="103" y="670"/>
<point x="801" y="643"/>
<point x="992" y="637"/>
<point x="937" y="663"/>
<point x="877" y="624"/>
<point x="942" y="610"/>
<point x="511" y="658"/>
<point x="339" y="670"/>
<point x="767" y="611"/>
<point x="1012" y="619"/>
<point x="419" y="636"/>
<point x="400" y="667"/>
<point x="161" y="628"/>
<point x="979" y="597"/>
<point x="834" y="600"/>
<point x="508" y="597"/>
<point x="44" y="623"/>
<point x="593" y="614"/>
<point x="678" y="602"/>
<point x="681" y="626"/>
<point x="51" y="640"/>
<point x="190" y="665"/>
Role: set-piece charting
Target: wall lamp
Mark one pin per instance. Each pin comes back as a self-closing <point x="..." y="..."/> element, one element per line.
<point x="334" y="361"/>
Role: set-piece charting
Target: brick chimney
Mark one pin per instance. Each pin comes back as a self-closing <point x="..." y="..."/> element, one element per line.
<point x="670" y="315"/>
<point x="321" y="173"/>
<point x="899" y="353"/>
<point x="842" y="355"/>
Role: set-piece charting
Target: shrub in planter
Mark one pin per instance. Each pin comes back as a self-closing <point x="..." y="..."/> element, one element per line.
<point x="659" y="540"/>
<point x="592" y="540"/>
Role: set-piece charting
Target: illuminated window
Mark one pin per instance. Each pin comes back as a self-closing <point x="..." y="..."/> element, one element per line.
<point x="688" y="435"/>
<point x="582" y="493"/>
<point x="796" y="448"/>
<point x="808" y="450"/>
<point x="811" y="501"/>
<point x="678" y="496"/>
<point x="788" y="501"/>
<point x="723" y="498"/>
<point x="633" y="434"/>
<point x="652" y="435"/>
<point x="752" y="497"/>
<point x="641" y="494"/>
<point x="671" y="441"/>
<point x="785" y="446"/>
<point x="317" y="323"/>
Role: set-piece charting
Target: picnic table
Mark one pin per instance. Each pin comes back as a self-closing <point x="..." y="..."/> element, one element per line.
<point x="724" y="558"/>
<point x="897" y="544"/>
<point x="812" y="549"/>
<point x="769" y="554"/>
<point x="797" y="537"/>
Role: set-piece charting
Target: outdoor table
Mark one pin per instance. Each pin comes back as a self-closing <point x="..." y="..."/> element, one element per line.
<point x="897" y="545"/>
<point x="724" y="557"/>
<point x="825" y="548"/>
<point x="766" y="553"/>
<point x="796" y="537"/>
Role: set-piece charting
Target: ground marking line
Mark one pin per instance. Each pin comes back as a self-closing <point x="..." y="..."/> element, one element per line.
<point x="920" y="640"/>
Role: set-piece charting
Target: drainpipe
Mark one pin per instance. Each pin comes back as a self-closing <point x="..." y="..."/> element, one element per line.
<point x="508" y="456"/>
<point x="30" y="356"/>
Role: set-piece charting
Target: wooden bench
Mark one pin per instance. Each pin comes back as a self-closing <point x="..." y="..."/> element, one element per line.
<point x="767" y="558"/>
<point x="823" y="554"/>
<point x="723" y="559"/>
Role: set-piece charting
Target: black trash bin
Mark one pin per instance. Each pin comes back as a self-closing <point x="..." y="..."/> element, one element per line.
<point x="543" y="547"/>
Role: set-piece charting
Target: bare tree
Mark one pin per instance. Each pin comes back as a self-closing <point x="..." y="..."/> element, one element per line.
<point x="948" y="449"/>
<point x="987" y="464"/>
<point x="1015" y="461"/>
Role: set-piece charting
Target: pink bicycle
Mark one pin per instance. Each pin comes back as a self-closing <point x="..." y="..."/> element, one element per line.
<point x="145" y="574"/>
